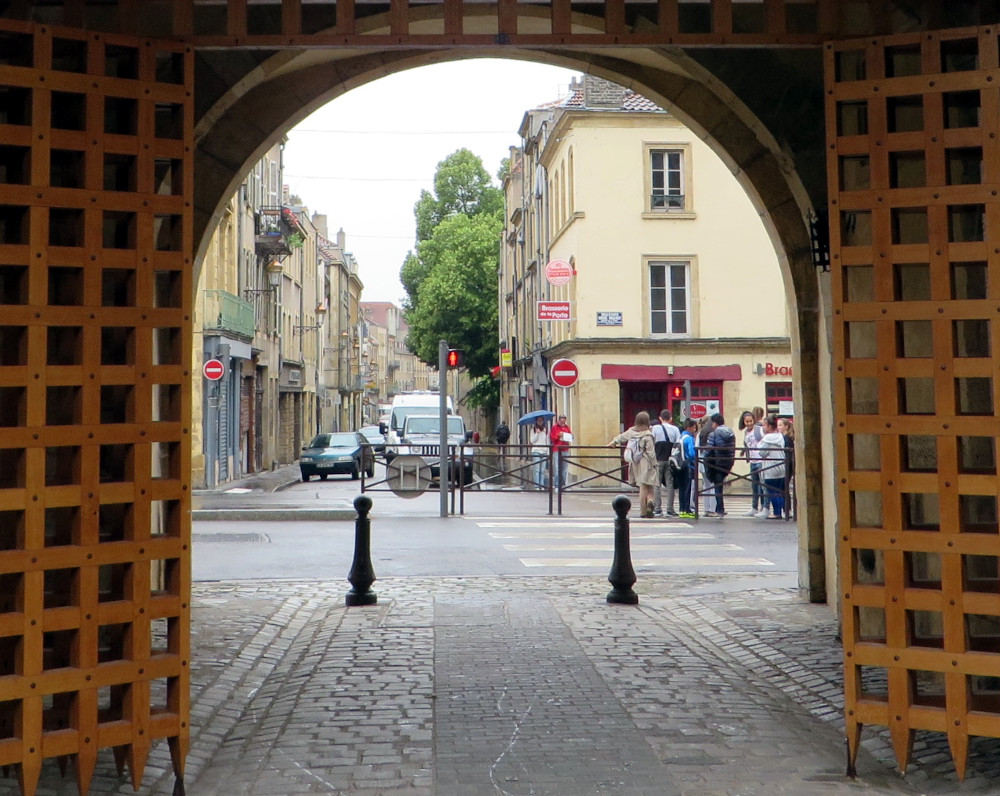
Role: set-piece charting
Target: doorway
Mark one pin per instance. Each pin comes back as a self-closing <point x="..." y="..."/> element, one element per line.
<point x="641" y="396"/>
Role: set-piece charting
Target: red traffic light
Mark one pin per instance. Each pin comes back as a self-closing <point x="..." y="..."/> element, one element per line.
<point x="456" y="358"/>
<point x="678" y="392"/>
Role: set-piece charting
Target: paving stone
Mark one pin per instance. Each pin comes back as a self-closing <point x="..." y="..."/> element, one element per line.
<point x="456" y="686"/>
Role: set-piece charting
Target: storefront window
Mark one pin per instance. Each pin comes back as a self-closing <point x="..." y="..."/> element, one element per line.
<point x="776" y="393"/>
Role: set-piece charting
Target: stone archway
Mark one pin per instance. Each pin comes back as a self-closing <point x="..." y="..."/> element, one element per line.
<point x="245" y="120"/>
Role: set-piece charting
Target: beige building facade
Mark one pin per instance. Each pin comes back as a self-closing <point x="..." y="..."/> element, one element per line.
<point x="391" y="367"/>
<point x="277" y="320"/>
<point x="631" y="251"/>
<point x="342" y="390"/>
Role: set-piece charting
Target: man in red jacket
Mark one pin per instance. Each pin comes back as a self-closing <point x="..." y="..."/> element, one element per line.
<point x="561" y="436"/>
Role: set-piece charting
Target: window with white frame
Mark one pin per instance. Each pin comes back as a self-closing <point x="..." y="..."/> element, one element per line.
<point x="670" y="298"/>
<point x="666" y="172"/>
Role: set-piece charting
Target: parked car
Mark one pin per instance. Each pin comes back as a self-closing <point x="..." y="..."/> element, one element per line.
<point x="421" y="436"/>
<point x="341" y="452"/>
<point x="375" y="438"/>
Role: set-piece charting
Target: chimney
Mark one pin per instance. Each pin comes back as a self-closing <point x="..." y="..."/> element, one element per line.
<point x="341" y="239"/>
<point x="319" y="221"/>
<point x="600" y="93"/>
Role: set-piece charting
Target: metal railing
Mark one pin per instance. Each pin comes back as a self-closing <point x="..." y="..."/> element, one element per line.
<point x="735" y="481"/>
<point x="589" y="470"/>
<point x="667" y="201"/>
<point x="225" y="312"/>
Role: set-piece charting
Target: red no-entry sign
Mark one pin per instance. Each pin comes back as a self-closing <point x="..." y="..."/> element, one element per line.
<point x="214" y="370"/>
<point x="564" y="373"/>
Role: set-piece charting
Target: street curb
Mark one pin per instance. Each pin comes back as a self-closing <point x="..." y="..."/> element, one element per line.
<point x="289" y="514"/>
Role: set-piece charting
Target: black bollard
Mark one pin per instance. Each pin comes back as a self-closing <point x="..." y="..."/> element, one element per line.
<point x="362" y="574"/>
<point x="622" y="575"/>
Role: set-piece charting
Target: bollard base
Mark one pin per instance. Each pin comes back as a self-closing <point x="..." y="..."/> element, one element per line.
<point x="360" y="598"/>
<point x="623" y="597"/>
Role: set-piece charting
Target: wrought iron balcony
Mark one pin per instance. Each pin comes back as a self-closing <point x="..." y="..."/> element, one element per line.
<point x="275" y="228"/>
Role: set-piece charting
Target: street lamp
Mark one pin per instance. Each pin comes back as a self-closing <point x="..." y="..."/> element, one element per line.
<point x="320" y="312"/>
<point x="274" y="270"/>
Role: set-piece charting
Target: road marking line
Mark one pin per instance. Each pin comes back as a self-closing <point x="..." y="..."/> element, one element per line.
<point x="662" y="536"/>
<point x="566" y="524"/>
<point x="650" y="562"/>
<point x="597" y="547"/>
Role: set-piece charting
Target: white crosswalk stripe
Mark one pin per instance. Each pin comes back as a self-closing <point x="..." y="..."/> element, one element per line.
<point x="651" y="562"/>
<point x="687" y="548"/>
<point x="672" y="547"/>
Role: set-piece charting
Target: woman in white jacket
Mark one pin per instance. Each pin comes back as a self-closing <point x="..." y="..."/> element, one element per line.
<point x="538" y="439"/>
<point x="771" y="448"/>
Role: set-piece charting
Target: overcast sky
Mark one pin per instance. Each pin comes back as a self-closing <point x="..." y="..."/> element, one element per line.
<point x="363" y="159"/>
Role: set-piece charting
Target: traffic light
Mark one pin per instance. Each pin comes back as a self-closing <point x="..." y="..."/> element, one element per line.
<point x="678" y="391"/>
<point x="456" y="358"/>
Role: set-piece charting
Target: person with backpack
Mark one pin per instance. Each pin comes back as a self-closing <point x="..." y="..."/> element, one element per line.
<point x="720" y="454"/>
<point x="502" y="436"/>
<point x="640" y="456"/>
<point x="665" y="436"/>
<point x="683" y="457"/>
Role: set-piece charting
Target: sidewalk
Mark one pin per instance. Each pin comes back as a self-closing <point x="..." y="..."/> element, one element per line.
<point x="240" y="500"/>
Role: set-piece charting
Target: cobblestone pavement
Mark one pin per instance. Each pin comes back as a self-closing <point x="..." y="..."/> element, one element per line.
<point x="514" y="686"/>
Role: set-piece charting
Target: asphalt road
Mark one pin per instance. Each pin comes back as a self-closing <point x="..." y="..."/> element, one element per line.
<point x="502" y="533"/>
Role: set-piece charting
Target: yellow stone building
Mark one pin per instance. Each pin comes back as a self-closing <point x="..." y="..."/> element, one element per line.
<point x="664" y="289"/>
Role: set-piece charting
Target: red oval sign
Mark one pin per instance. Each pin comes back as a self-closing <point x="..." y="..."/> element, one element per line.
<point x="558" y="272"/>
<point x="697" y="411"/>
<point x="564" y="373"/>
<point x="214" y="370"/>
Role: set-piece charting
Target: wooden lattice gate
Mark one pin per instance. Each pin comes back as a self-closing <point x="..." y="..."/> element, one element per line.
<point x="95" y="340"/>
<point x="914" y="174"/>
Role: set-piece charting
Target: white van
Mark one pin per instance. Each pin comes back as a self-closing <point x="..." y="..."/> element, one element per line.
<point x="419" y="402"/>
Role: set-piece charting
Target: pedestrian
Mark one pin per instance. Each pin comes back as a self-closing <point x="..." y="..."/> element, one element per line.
<point x="642" y="471"/>
<point x="665" y="436"/>
<point x="707" y="487"/>
<point x="772" y="455"/>
<point x="720" y="456"/>
<point x="561" y="436"/>
<point x="685" y="475"/>
<point x="538" y="439"/>
<point x="752" y="432"/>
<point x="787" y="430"/>
<point x="502" y="434"/>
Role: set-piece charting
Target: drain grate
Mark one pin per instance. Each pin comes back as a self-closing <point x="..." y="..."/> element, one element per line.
<point x="253" y="538"/>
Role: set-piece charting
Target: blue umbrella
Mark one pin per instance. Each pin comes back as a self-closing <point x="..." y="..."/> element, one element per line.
<point x="528" y="419"/>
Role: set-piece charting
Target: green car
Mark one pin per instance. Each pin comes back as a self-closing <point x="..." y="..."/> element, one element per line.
<point x="342" y="452"/>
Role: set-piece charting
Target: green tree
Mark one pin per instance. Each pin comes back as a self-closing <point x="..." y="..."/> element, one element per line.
<point x="457" y="298"/>
<point x="450" y="279"/>
<point x="461" y="186"/>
